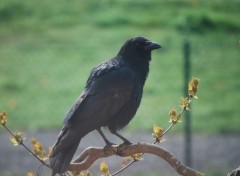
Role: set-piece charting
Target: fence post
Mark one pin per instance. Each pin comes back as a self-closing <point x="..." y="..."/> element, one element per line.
<point x="188" y="137"/>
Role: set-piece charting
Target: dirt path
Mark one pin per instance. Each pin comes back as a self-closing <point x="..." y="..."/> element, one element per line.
<point x="213" y="155"/>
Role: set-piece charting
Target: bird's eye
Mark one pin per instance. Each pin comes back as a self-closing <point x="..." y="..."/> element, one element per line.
<point x="139" y="44"/>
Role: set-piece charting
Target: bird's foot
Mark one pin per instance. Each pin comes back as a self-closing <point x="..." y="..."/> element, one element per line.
<point x="108" y="146"/>
<point x="108" y="143"/>
<point x="121" y="148"/>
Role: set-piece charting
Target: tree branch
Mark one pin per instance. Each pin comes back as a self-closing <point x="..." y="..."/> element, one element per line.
<point x="91" y="154"/>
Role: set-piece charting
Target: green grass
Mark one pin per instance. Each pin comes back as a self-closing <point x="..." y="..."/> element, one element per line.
<point x="48" y="49"/>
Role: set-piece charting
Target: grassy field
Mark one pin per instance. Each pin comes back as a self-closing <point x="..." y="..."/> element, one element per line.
<point x="48" y="48"/>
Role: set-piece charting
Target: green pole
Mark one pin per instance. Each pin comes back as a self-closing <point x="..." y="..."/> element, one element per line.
<point x="188" y="133"/>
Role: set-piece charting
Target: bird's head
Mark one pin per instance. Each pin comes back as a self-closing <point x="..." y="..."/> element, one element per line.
<point x="138" y="49"/>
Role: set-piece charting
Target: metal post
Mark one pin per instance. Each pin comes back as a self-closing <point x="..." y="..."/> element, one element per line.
<point x="188" y="137"/>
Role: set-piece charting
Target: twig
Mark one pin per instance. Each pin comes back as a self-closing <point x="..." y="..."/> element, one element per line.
<point x="21" y="143"/>
<point x="170" y="126"/>
<point x="90" y="155"/>
<point x="125" y="167"/>
<point x="133" y="161"/>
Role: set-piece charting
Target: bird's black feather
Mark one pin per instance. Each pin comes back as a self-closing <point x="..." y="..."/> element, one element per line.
<point x="110" y="99"/>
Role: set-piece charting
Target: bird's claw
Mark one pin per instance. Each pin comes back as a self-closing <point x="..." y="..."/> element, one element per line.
<point x="121" y="147"/>
<point x="109" y="145"/>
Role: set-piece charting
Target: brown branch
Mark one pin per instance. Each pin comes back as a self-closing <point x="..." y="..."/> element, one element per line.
<point x="91" y="154"/>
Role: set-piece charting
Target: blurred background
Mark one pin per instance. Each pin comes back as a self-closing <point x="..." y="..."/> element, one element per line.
<point x="47" y="49"/>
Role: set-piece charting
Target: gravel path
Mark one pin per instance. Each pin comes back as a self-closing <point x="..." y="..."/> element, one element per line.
<point x="212" y="155"/>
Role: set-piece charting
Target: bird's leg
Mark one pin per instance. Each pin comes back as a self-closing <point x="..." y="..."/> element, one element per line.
<point x="121" y="147"/>
<point x="108" y="143"/>
<point x="127" y="142"/>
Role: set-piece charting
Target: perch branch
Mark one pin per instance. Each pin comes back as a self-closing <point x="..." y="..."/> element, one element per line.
<point x="91" y="154"/>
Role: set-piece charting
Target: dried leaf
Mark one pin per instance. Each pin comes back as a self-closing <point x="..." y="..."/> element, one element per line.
<point x="30" y="173"/>
<point x="184" y="104"/>
<point x="172" y="113"/>
<point x="157" y="133"/>
<point x="104" y="169"/>
<point x="3" y="118"/>
<point x="193" y="86"/>
<point x="38" y="150"/>
<point x="137" y="157"/>
<point x="17" y="139"/>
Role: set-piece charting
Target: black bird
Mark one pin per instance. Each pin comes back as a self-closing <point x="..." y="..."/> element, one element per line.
<point x="110" y="99"/>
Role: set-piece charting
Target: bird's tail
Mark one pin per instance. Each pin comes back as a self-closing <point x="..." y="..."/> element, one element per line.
<point x="60" y="161"/>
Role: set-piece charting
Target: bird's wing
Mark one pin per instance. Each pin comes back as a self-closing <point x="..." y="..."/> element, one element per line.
<point x="102" y="98"/>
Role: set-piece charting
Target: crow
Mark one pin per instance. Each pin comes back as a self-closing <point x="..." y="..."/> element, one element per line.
<point x="110" y="99"/>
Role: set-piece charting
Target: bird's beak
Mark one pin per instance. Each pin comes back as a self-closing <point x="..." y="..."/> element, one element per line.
<point x="151" y="46"/>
